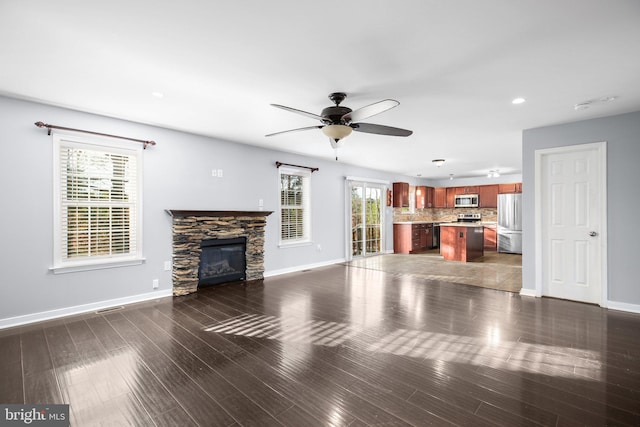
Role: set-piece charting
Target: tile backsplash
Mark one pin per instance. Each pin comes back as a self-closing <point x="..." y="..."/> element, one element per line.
<point x="442" y="214"/>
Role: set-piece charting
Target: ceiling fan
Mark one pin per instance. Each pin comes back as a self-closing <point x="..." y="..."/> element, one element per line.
<point x="338" y="122"/>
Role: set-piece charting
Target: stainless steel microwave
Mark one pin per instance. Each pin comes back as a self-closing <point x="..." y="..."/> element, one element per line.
<point x="466" y="201"/>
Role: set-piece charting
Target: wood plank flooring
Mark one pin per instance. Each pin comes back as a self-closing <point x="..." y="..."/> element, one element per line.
<point x="339" y="345"/>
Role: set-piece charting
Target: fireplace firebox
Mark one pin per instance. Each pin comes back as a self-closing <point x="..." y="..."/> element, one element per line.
<point x="222" y="260"/>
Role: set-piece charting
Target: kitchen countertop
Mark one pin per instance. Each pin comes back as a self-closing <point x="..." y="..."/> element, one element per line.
<point x="417" y="222"/>
<point x="452" y="223"/>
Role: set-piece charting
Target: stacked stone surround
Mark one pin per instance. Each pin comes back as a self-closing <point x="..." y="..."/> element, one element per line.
<point x="191" y="227"/>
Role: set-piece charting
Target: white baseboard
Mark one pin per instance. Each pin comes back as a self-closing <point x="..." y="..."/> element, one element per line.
<point x="79" y="309"/>
<point x="272" y="273"/>
<point x="623" y="306"/>
<point x="528" y="292"/>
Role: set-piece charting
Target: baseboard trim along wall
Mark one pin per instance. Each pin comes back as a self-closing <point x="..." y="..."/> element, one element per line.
<point x="79" y="309"/>
<point x="623" y="306"/>
<point x="612" y="305"/>
<point x="528" y="292"/>
<point x="272" y="273"/>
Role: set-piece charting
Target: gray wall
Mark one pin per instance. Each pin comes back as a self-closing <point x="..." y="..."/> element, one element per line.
<point x="177" y="175"/>
<point x="622" y="134"/>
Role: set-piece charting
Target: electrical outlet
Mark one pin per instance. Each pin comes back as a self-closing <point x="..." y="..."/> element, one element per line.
<point x="219" y="173"/>
<point x="214" y="172"/>
<point x="167" y="266"/>
<point x="156" y="283"/>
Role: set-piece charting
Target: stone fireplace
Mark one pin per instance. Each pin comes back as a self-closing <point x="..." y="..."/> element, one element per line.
<point x="192" y="228"/>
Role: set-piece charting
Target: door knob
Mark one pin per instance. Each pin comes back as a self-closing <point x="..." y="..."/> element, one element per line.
<point x="593" y="233"/>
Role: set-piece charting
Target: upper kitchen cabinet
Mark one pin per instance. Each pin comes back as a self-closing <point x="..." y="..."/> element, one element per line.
<point x="469" y="189"/>
<point x="400" y="194"/>
<point x="515" y="187"/>
<point x="451" y="196"/>
<point x="424" y="197"/>
<point x="488" y="196"/>
<point x="440" y="197"/>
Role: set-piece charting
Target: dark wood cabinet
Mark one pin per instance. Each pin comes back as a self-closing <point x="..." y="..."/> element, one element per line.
<point x="515" y="187"/>
<point x="400" y="194"/>
<point x="458" y="243"/>
<point x="431" y="197"/>
<point x="469" y="189"/>
<point x="410" y="238"/>
<point x="421" y="197"/>
<point x="451" y="196"/>
<point x="402" y="238"/>
<point x="424" y="197"/>
<point x="488" y="196"/>
<point x="490" y="239"/>
<point x="440" y="197"/>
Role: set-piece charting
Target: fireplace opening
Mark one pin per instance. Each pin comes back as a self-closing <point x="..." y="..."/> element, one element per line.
<point x="222" y="260"/>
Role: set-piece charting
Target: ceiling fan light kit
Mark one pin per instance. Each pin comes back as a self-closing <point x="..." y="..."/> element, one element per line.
<point x="337" y="132"/>
<point x="338" y="122"/>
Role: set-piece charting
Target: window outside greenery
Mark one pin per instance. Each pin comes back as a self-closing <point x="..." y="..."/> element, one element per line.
<point x="294" y="207"/>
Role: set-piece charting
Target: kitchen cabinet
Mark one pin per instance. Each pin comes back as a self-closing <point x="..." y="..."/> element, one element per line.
<point x="440" y="197"/>
<point x="400" y="194"/>
<point x="424" y="197"/>
<point x="461" y="243"/>
<point x="410" y="238"/>
<point x="451" y="196"/>
<point x="515" y="187"/>
<point x="490" y="238"/>
<point x="421" y="197"/>
<point x="431" y="197"/>
<point x="488" y="196"/>
<point x="469" y="189"/>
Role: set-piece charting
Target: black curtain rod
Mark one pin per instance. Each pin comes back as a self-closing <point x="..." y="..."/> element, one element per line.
<point x="278" y="164"/>
<point x="49" y="127"/>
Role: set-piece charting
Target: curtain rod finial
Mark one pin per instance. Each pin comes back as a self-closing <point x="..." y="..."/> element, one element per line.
<point x="39" y="124"/>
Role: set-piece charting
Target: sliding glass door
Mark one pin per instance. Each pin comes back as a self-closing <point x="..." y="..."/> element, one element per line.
<point x="367" y="218"/>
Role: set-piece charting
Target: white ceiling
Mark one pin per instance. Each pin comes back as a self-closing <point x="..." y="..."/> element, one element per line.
<point x="454" y="66"/>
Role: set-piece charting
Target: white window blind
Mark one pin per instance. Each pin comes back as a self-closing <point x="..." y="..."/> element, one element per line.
<point x="295" y="213"/>
<point x="97" y="202"/>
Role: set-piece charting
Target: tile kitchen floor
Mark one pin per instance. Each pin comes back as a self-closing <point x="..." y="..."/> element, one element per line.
<point x="494" y="270"/>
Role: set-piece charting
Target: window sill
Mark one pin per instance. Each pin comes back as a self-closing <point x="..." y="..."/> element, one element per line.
<point x="97" y="266"/>
<point x="295" y="244"/>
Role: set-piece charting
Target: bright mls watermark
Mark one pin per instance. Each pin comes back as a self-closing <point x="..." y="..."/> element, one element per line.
<point x="34" y="415"/>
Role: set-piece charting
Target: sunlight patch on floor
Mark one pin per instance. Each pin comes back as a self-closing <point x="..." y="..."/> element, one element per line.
<point x="489" y="351"/>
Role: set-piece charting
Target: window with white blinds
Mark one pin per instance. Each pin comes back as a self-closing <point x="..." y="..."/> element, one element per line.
<point x="295" y="212"/>
<point x="97" y="196"/>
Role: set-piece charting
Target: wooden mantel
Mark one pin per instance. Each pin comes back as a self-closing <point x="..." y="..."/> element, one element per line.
<point x="183" y="213"/>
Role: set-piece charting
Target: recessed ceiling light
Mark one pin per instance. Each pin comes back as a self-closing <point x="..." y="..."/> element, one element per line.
<point x="157" y="94"/>
<point x="519" y="101"/>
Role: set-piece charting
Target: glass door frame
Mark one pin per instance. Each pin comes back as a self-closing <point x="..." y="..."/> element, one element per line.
<point x="365" y="183"/>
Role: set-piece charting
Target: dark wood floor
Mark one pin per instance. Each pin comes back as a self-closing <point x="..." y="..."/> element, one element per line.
<point x="334" y="346"/>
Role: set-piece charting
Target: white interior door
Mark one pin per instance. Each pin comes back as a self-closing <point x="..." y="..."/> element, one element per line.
<point x="572" y="222"/>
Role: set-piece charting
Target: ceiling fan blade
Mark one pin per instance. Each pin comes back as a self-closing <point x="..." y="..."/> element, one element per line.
<point x="370" y="110"/>
<point x="296" y="130"/>
<point x="380" y="129"/>
<point x="304" y="113"/>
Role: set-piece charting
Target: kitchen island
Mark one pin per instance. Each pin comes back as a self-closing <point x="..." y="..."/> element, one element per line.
<point x="461" y="241"/>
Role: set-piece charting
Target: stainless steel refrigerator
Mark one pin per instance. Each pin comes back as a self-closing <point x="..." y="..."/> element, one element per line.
<point x="510" y="223"/>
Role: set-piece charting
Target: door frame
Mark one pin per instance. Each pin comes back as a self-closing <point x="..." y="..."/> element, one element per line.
<point x="601" y="152"/>
<point x="383" y="215"/>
